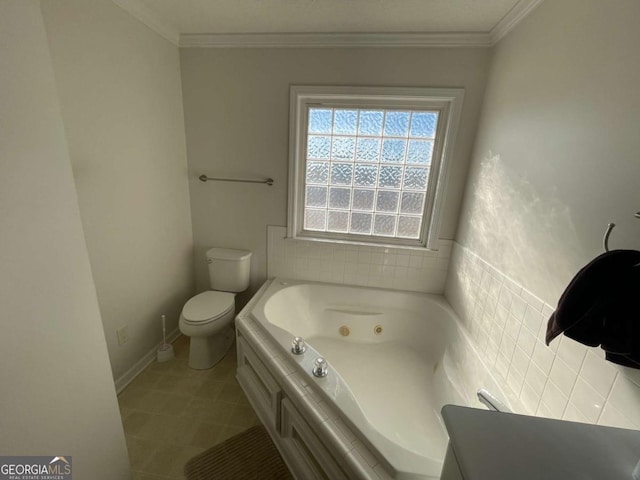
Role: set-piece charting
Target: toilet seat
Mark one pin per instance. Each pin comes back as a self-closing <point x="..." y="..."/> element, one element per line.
<point x="207" y="307"/>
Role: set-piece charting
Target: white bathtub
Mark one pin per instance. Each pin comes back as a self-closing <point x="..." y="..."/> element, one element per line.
<point x="390" y="385"/>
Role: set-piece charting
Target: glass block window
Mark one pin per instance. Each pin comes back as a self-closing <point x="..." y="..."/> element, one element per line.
<point x="364" y="168"/>
<point x="377" y="163"/>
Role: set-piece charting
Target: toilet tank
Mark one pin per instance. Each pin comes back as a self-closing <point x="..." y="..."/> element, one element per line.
<point x="229" y="269"/>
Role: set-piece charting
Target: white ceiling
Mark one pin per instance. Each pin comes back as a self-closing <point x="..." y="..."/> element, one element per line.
<point x="447" y="22"/>
<point x="330" y="16"/>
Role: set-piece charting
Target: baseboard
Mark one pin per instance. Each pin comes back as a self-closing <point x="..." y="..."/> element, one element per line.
<point x="127" y="377"/>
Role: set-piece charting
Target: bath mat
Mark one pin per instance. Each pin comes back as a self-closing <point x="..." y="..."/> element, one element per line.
<point x="250" y="455"/>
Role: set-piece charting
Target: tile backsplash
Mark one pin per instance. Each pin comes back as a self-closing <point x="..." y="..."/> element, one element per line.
<point x="566" y="380"/>
<point x="393" y="268"/>
<point x="507" y="323"/>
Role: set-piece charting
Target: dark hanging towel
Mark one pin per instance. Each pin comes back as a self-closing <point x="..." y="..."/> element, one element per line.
<point x="601" y="306"/>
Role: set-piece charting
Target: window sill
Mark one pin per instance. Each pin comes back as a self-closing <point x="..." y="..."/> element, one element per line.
<point x="387" y="248"/>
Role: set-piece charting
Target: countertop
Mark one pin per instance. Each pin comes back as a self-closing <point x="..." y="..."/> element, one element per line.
<point x="504" y="446"/>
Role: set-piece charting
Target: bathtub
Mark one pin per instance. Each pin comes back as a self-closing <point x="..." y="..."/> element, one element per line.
<point x="395" y="359"/>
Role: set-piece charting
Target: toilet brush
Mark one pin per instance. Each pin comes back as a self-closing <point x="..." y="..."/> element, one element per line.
<point x="165" y="351"/>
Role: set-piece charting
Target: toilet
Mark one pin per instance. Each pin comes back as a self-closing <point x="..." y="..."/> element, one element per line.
<point x="207" y="318"/>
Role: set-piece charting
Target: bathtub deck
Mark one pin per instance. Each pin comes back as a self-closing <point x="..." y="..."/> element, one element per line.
<point x="393" y="385"/>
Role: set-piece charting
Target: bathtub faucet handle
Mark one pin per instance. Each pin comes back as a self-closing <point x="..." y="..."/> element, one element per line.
<point x="298" y="347"/>
<point x="320" y="368"/>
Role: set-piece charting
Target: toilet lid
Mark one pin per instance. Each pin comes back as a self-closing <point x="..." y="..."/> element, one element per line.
<point x="208" y="306"/>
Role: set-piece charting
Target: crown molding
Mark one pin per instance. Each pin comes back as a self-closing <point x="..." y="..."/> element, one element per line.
<point x="513" y="17"/>
<point x="156" y="23"/>
<point x="329" y="40"/>
<point x="333" y="40"/>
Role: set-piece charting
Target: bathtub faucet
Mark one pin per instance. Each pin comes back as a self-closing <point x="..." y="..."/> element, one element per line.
<point x="298" y="346"/>
<point x="320" y="368"/>
<point x="491" y="402"/>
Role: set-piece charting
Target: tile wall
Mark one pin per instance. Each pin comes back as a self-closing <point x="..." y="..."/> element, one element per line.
<point x="566" y="380"/>
<point x="393" y="268"/>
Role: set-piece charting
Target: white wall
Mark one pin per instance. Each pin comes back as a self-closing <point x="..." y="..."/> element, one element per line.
<point x="57" y="393"/>
<point x="120" y="92"/>
<point x="557" y="157"/>
<point x="237" y="120"/>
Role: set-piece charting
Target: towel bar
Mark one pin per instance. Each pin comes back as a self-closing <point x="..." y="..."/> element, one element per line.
<point x="204" y="178"/>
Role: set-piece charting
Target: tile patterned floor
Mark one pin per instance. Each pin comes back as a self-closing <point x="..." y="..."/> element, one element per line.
<point x="171" y="413"/>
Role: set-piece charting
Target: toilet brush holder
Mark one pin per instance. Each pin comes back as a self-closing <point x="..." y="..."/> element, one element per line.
<point x="165" y="351"/>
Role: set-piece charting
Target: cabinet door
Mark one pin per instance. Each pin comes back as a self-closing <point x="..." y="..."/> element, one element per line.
<point x="261" y="388"/>
<point x="313" y="460"/>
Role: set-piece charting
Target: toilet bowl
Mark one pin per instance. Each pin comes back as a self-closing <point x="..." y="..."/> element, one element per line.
<point x="208" y="317"/>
